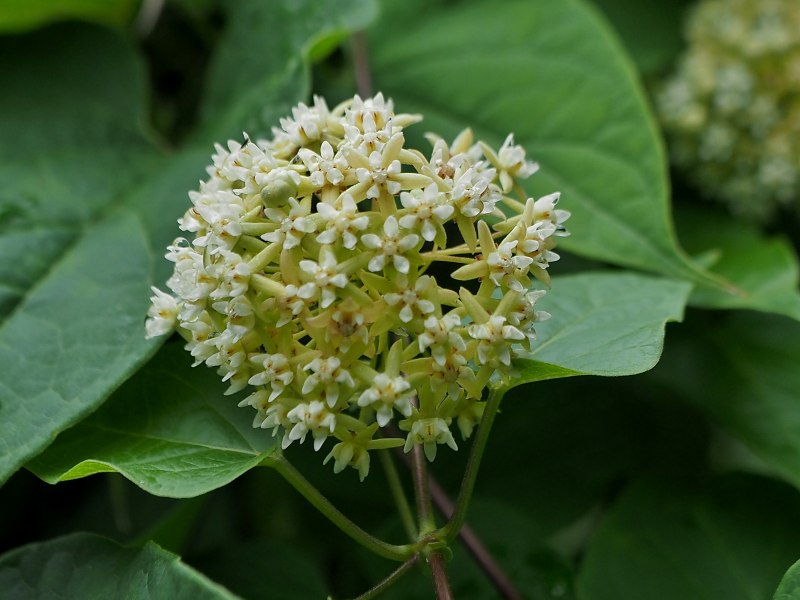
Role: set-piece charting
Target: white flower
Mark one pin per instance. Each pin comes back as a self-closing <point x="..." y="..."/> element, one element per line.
<point x="382" y="176"/>
<point x="325" y="278"/>
<point x="241" y="318"/>
<point x="189" y="280"/>
<point x="473" y="192"/>
<point x="510" y="162"/>
<point x="390" y="246"/>
<point x="425" y="208"/>
<point x="495" y="338"/>
<point x="232" y="273"/>
<point x="430" y="432"/>
<point x="410" y="299"/>
<point x="441" y="335"/>
<point x="276" y="371"/>
<point x="293" y="226"/>
<point x="388" y="393"/>
<point x="370" y="114"/>
<point x="327" y="373"/>
<point x="506" y="268"/>
<point x="308" y="123"/>
<point x="325" y="167"/>
<point x="341" y="223"/>
<point x="309" y="416"/>
<point x="162" y="314"/>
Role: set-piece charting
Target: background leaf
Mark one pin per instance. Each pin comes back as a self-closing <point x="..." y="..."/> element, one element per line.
<point x="552" y="73"/>
<point x="732" y="539"/>
<point x="169" y="429"/>
<point x="764" y="269"/>
<point x="262" y="65"/>
<point x="789" y="589"/>
<point x="742" y="371"/>
<point x="602" y="324"/>
<point x="72" y="145"/>
<point x="88" y="566"/>
<point x="18" y="15"/>
<point x="651" y="30"/>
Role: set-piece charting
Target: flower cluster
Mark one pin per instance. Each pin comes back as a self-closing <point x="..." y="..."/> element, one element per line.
<point x="732" y="109"/>
<point x="315" y="277"/>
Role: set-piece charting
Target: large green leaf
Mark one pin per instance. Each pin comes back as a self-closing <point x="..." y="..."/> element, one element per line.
<point x="552" y="73"/>
<point x="87" y="204"/>
<point x="169" y="429"/>
<point x="76" y="256"/>
<point x="83" y="565"/>
<point x="606" y="324"/>
<point x="733" y="540"/>
<point x="764" y="269"/>
<point x="744" y="373"/>
<point x="789" y="589"/>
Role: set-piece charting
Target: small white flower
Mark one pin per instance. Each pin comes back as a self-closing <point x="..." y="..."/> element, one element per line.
<point x="382" y="177"/>
<point x="277" y="372"/>
<point x="411" y="299"/>
<point x="427" y="209"/>
<point x="473" y="192"/>
<point x="325" y="278"/>
<point x="293" y="226"/>
<point x="308" y="123"/>
<point x="327" y="373"/>
<point x="189" y="280"/>
<point x="430" y="432"/>
<point x="341" y="223"/>
<point x="390" y="246"/>
<point x="309" y="416"/>
<point x="162" y="314"/>
<point x="324" y="168"/>
<point x="495" y="338"/>
<point x="232" y="274"/>
<point x="506" y="267"/>
<point x="511" y="163"/>
<point x="388" y="393"/>
<point x="442" y="335"/>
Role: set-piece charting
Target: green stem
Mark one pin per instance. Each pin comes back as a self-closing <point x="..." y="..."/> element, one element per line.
<point x="323" y="505"/>
<point x="396" y="487"/>
<point x="450" y="531"/>
<point x="395" y="575"/>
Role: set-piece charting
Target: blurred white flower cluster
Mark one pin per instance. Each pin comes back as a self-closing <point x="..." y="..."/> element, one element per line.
<point x="732" y="110"/>
<point x="321" y="272"/>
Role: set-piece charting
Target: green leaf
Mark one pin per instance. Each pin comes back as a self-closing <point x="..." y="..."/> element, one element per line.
<point x="18" y="15"/>
<point x="76" y="256"/>
<point x="744" y="373"/>
<point x="732" y="539"/>
<point x="602" y="324"/>
<point x="262" y="65"/>
<point x="764" y="269"/>
<point x="789" y="589"/>
<point x="552" y="73"/>
<point x="169" y="429"/>
<point x="83" y="565"/>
